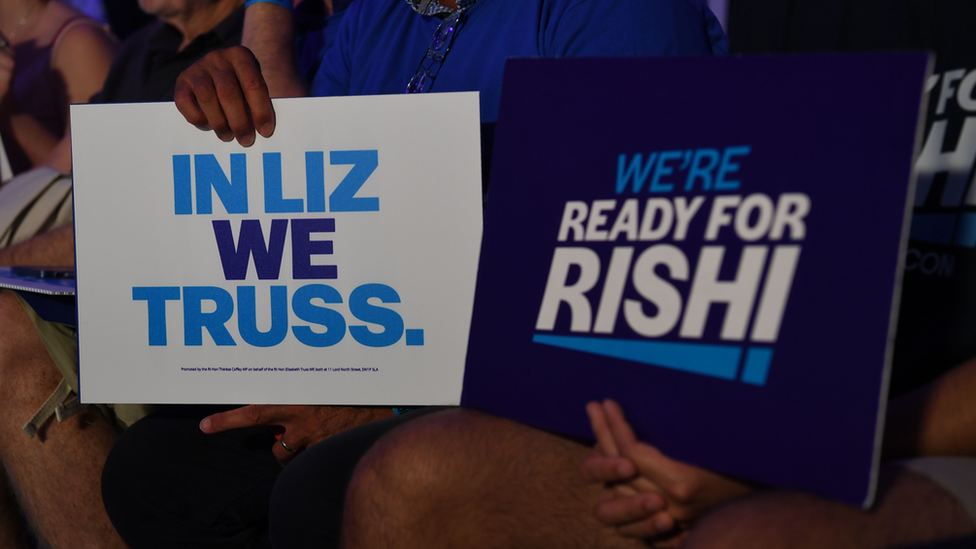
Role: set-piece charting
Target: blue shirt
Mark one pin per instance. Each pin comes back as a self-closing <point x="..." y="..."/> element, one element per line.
<point x="434" y="7"/>
<point x="381" y="42"/>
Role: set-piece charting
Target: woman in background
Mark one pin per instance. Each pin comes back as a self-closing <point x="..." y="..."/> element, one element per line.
<point x="50" y="56"/>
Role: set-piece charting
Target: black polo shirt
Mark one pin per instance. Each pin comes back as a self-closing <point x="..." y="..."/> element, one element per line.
<point x="148" y="63"/>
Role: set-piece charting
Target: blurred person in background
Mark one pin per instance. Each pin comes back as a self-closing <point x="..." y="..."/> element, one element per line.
<point x="51" y="55"/>
<point x="49" y="479"/>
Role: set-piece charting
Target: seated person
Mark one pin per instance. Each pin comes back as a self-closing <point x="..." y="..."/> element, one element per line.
<point x="462" y="477"/>
<point x="379" y="46"/>
<point x="52" y="480"/>
<point x="51" y="56"/>
<point x="647" y="495"/>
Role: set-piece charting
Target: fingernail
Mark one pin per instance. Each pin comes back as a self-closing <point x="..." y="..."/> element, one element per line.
<point x="265" y="129"/>
<point x="205" y="424"/>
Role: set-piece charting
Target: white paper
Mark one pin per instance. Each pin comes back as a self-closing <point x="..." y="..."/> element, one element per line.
<point x="422" y="243"/>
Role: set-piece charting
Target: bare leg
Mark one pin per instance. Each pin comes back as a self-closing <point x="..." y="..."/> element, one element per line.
<point x="56" y="476"/>
<point x="463" y="479"/>
<point x="12" y="532"/>
<point x="910" y="509"/>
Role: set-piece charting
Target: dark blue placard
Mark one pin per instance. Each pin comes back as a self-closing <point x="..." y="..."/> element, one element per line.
<point x="826" y="141"/>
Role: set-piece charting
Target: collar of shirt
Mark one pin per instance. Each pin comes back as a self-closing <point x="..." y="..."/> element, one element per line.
<point x="167" y="39"/>
<point x="432" y="7"/>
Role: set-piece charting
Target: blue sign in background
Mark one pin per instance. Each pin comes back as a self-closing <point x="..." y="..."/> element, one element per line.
<point x="801" y="411"/>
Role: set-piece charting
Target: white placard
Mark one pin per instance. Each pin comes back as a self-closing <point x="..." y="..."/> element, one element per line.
<point x="337" y="266"/>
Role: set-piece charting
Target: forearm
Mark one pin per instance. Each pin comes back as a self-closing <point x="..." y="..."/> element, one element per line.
<point x="269" y="32"/>
<point x="937" y="419"/>
<point x="60" y="157"/>
<point x="52" y="249"/>
<point x="27" y="134"/>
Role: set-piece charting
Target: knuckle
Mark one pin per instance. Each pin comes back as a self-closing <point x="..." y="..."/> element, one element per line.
<point x="683" y="491"/>
<point x="212" y="59"/>
<point x="253" y="82"/>
<point x="192" y="73"/>
<point x="253" y="414"/>
<point x="239" y="54"/>
<point x="203" y="90"/>
<point x="226" y="83"/>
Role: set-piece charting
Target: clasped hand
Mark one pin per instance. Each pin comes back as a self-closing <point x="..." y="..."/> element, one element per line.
<point x="647" y="494"/>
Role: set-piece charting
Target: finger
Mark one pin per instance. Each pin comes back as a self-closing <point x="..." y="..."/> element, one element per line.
<point x="650" y="462"/>
<point x="206" y="90"/>
<point x="623" y="511"/>
<point x="283" y="454"/>
<point x="185" y="95"/>
<point x="226" y="109"/>
<point x="246" y="416"/>
<point x="658" y="524"/>
<point x="256" y="94"/>
<point x="241" y="90"/>
<point x="614" y="491"/>
<point x="622" y="433"/>
<point x="597" y="468"/>
<point x="601" y="430"/>
<point x="672" y="477"/>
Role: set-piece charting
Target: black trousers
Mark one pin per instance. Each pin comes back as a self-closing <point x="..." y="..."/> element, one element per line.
<point x="168" y="485"/>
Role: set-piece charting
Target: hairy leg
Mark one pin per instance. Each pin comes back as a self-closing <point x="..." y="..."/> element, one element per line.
<point x="464" y="479"/>
<point x="56" y="475"/>
<point x="13" y="534"/>
<point x="910" y="509"/>
<point x="309" y="495"/>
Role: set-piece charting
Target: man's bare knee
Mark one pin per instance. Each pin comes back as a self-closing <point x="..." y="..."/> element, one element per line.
<point x="462" y="478"/>
<point x="440" y="454"/>
<point x="408" y="478"/>
<point x="395" y="486"/>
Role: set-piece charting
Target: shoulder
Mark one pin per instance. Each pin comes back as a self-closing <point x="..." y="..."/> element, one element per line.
<point x="367" y="19"/>
<point x="365" y="11"/>
<point x="82" y="54"/>
<point x="610" y="8"/>
<point x="83" y="40"/>
<point x="639" y="27"/>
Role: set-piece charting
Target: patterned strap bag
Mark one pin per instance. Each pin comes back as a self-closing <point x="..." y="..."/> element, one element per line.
<point x="33" y="203"/>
